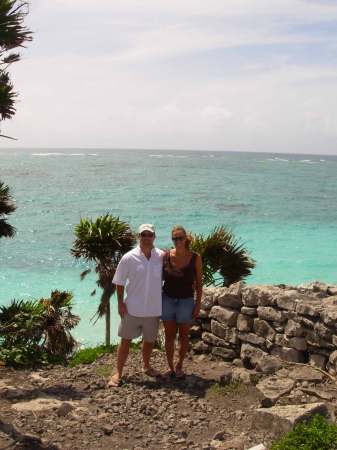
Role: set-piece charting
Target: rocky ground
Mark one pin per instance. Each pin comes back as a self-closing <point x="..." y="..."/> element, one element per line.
<point x="219" y="405"/>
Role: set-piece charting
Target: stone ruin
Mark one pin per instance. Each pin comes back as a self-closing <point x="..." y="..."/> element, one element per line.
<point x="262" y="325"/>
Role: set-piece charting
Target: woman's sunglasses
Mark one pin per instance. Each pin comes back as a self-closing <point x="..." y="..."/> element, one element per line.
<point x="178" y="238"/>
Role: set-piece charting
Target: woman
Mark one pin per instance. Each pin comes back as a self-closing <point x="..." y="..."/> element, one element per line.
<point x="182" y="279"/>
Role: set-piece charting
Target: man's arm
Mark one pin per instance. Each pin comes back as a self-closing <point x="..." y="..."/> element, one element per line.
<point x="122" y="308"/>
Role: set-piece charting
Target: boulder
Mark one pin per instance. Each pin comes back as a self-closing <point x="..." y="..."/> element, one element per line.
<point x="249" y="311"/>
<point x="273" y="388"/>
<point x="294" y="329"/>
<point x="309" y="306"/>
<point x="230" y="297"/>
<point x="287" y="300"/>
<point x="305" y="373"/>
<point x="244" y="323"/>
<point x="210" y="338"/>
<point x="224" y="315"/>
<point x="263" y="329"/>
<point x="281" y="419"/>
<point x="252" y="338"/>
<point x="271" y="314"/>
<point x="208" y="300"/>
<point x="250" y="355"/>
<point x="226" y="333"/>
<point x="318" y="360"/>
<point x="227" y="354"/>
<point x="268" y="364"/>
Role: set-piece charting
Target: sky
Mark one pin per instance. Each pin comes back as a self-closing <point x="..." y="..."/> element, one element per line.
<point x="246" y="75"/>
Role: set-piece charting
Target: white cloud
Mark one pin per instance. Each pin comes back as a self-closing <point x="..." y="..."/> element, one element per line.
<point x="143" y="74"/>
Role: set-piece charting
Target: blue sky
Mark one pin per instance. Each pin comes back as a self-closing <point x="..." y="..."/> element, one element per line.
<point x="249" y="75"/>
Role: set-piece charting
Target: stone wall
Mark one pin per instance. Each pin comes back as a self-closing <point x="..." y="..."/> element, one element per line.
<point x="263" y="324"/>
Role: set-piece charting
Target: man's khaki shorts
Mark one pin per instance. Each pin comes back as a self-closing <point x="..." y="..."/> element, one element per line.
<point x="132" y="327"/>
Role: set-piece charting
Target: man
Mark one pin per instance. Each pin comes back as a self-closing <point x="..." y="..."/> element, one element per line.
<point x="140" y="273"/>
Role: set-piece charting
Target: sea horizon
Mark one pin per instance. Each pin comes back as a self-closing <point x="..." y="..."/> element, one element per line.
<point x="281" y="206"/>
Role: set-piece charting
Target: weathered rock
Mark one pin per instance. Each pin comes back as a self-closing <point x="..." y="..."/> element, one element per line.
<point x="322" y="331"/>
<point x="251" y="355"/>
<point x="268" y="364"/>
<point x="297" y="343"/>
<point x="318" y="360"/>
<point x="201" y="347"/>
<point x="224" y="315"/>
<point x="64" y="409"/>
<point x="271" y="314"/>
<point x="273" y="388"/>
<point x="210" y="338"/>
<point x="263" y="329"/>
<point x="244" y="323"/>
<point x="309" y="306"/>
<point x="208" y="300"/>
<point x="259" y="295"/>
<point x="281" y="419"/>
<point x="230" y="297"/>
<point x="225" y="353"/>
<point x="287" y="300"/>
<point x="288" y="354"/>
<point x="249" y="311"/>
<point x="224" y="332"/>
<point x="305" y="373"/>
<point x="252" y="338"/>
<point x="294" y="329"/>
<point x="38" y="404"/>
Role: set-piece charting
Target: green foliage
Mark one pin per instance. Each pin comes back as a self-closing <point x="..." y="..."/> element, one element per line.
<point x="318" y="434"/>
<point x="13" y="34"/>
<point x="7" y="206"/>
<point x="225" y="260"/>
<point x="103" y="241"/>
<point x="217" y="390"/>
<point x="106" y="238"/>
<point x="38" y="331"/>
<point x="90" y="354"/>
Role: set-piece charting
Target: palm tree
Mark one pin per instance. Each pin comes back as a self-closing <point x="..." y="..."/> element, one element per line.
<point x="103" y="241"/>
<point x="58" y="321"/>
<point x="7" y="206"/>
<point x="13" y="34"/>
<point x="225" y="260"/>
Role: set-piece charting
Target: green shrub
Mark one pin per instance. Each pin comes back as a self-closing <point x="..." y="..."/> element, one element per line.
<point x="90" y="354"/>
<point x="318" y="434"/>
<point x="37" y="331"/>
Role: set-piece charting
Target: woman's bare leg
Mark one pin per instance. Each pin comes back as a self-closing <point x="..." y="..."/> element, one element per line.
<point x="170" y="327"/>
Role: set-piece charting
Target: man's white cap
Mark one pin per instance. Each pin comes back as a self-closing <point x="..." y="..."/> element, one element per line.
<point x="146" y="227"/>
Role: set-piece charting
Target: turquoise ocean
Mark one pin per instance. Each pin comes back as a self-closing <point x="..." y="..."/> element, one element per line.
<point x="282" y="207"/>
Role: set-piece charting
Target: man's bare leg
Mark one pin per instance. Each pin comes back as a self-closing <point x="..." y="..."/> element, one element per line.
<point x="122" y="355"/>
<point x="147" y="348"/>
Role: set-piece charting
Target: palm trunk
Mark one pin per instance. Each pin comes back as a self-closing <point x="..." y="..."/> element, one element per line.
<point x="107" y="324"/>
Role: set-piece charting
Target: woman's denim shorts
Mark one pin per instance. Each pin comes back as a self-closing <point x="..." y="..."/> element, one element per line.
<point x="178" y="309"/>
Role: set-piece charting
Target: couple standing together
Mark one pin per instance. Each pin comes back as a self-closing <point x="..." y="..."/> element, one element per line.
<point x="159" y="284"/>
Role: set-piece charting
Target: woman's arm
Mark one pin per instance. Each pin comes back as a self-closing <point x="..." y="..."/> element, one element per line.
<point x="198" y="286"/>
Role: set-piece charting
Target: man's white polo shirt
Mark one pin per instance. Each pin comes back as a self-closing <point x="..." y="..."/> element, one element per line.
<point x="143" y="280"/>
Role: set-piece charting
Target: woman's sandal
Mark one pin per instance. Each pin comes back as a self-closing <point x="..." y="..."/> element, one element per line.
<point x="180" y="374"/>
<point x="169" y="375"/>
<point x="153" y="373"/>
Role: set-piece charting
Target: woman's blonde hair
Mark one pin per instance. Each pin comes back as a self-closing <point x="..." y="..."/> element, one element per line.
<point x="187" y="235"/>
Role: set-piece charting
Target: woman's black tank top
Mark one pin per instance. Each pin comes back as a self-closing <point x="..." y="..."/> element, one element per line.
<point x="179" y="283"/>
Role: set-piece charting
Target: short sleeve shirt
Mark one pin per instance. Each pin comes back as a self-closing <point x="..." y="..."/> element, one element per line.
<point x="142" y="278"/>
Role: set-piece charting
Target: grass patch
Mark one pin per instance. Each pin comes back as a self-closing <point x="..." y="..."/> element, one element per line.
<point x="90" y="354"/>
<point x="318" y="434"/>
<point x="105" y="371"/>
<point x="218" y="390"/>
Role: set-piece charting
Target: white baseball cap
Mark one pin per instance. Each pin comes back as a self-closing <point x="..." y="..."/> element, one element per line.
<point x="146" y="227"/>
